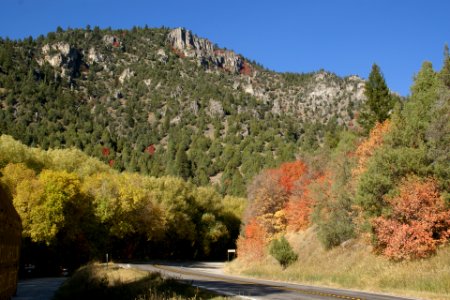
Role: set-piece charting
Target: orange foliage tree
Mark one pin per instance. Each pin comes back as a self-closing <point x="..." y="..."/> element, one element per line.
<point x="367" y="148"/>
<point x="419" y="221"/>
<point x="251" y="245"/>
<point x="300" y="206"/>
<point x="290" y="173"/>
<point x="270" y="195"/>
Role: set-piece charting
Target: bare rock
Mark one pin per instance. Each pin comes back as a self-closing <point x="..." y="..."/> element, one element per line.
<point x="189" y="45"/>
<point x="162" y="56"/>
<point x="215" y="108"/>
<point x="126" y="74"/>
<point x="194" y="107"/>
<point x="63" y="57"/>
<point x="93" y="56"/>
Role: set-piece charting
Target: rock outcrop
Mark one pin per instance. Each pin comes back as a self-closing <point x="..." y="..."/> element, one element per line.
<point x="64" y="57"/>
<point x="126" y="74"/>
<point x="186" y="44"/>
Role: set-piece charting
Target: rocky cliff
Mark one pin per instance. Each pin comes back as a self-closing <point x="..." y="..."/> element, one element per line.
<point x="324" y="94"/>
<point x="186" y="44"/>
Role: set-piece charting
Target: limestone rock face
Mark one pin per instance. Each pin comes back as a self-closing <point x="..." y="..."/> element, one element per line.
<point x="61" y="55"/>
<point x="215" y="108"/>
<point x="126" y="74"/>
<point x="189" y="45"/>
<point x="163" y="57"/>
<point x="94" y="57"/>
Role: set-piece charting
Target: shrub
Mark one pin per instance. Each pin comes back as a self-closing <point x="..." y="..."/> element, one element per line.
<point x="282" y="251"/>
<point x="418" y="223"/>
<point x="336" y="229"/>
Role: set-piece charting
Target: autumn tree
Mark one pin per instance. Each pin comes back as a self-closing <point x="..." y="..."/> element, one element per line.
<point x="367" y="147"/>
<point x="299" y="207"/>
<point x="60" y="191"/>
<point x="252" y="242"/>
<point x="419" y="221"/>
<point x="14" y="174"/>
<point x="266" y="197"/>
<point x="124" y="207"/>
<point x="275" y="197"/>
<point x="290" y="173"/>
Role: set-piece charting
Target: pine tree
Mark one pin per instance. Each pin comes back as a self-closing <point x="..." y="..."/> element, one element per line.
<point x="182" y="163"/>
<point x="445" y="72"/>
<point x="379" y="102"/>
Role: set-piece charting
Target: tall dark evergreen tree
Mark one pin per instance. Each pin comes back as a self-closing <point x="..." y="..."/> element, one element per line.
<point x="379" y="101"/>
<point x="445" y="72"/>
<point x="182" y="163"/>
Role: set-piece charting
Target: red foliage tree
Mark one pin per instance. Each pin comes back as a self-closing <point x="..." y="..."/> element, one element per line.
<point x="105" y="151"/>
<point x="150" y="149"/>
<point x="298" y="212"/>
<point x="419" y="221"/>
<point x="290" y="173"/>
<point x="300" y="206"/>
<point x="251" y="245"/>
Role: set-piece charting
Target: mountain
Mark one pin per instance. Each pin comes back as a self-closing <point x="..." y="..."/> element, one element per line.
<point x="167" y="102"/>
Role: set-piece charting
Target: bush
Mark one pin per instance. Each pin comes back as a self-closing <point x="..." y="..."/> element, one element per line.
<point x="282" y="251"/>
<point x="336" y="229"/>
<point x="418" y="223"/>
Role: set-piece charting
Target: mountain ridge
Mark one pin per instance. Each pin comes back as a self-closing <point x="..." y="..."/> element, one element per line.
<point x="127" y="90"/>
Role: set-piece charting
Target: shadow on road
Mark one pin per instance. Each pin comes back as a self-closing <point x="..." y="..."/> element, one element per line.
<point x="38" y="288"/>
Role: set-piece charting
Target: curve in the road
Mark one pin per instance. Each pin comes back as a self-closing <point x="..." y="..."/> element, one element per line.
<point x="241" y="281"/>
<point x="257" y="288"/>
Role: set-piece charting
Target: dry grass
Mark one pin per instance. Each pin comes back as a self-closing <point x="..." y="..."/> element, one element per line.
<point x="355" y="266"/>
<point x="96" y="281"/>
<point x="116" y="275"/>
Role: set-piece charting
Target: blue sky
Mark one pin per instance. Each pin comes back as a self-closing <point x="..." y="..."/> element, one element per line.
<point x="344" y="36"/>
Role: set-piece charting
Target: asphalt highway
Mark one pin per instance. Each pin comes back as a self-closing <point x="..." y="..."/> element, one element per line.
<point x="38" y="288"/>
<point x="209" y="276"/>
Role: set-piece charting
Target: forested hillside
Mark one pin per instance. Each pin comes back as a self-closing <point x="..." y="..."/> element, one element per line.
<point x="166" y="102"/>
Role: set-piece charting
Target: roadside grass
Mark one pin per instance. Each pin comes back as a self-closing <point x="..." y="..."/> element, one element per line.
<point x="96" y="281"/>
<point x="354" y="266"/>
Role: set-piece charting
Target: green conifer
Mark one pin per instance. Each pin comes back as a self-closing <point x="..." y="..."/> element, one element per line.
<point x="379" y="103"/>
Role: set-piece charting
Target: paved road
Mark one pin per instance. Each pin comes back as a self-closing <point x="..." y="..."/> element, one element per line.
<point x="38" y="288"/>
<point x="209" y="276"/>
